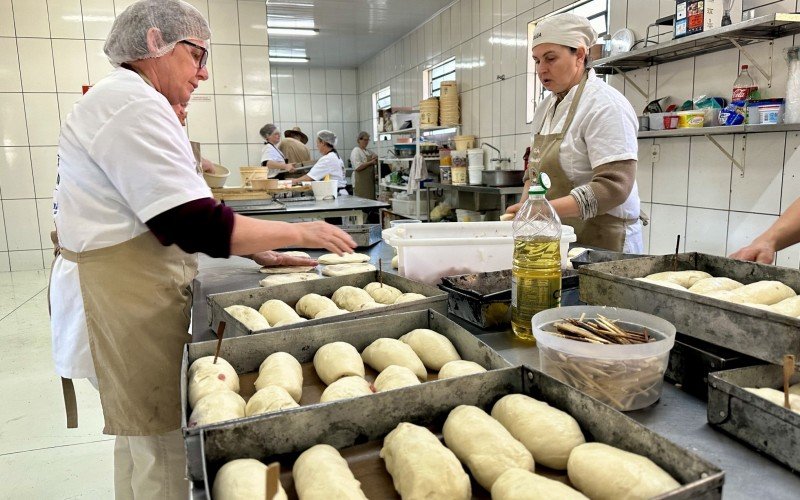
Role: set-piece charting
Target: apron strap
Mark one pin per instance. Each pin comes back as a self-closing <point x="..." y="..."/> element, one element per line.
<point x="70" y="403"/>
<point x="573" y="106"/>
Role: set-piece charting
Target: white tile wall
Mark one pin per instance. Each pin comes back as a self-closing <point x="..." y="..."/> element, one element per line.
<point x="65" y="19"/>
<point x="16" y="176"/>
<point x="9" y="66"/>
<point x="709" y="167"/>
<point x="6" y="18"/>
<point x="71" y="69"/>
<point x="706" y="231"/>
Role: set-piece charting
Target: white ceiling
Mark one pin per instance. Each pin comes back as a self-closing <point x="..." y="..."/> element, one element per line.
<point x="350" y="31"/>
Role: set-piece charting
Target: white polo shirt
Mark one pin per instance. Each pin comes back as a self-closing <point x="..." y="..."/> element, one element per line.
<point x="123" y="158"/>
<point x="272" y="153"/>
<point x="330" y="164"/>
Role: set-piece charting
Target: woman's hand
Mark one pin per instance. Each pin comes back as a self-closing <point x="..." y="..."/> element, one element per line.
<point x="757" y="251"/>
<point x="513" y="209"/>
<point x="290" y="167"/>
<point x="320" y="234"/>
<point x="271" y="258"/>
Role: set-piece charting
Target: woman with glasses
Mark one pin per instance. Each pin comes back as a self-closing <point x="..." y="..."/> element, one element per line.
<point x="363" y="162"/>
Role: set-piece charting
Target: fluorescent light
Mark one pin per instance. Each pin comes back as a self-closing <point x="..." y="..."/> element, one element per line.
<point x="292" y="31"/>
<point x="288" y="59"/>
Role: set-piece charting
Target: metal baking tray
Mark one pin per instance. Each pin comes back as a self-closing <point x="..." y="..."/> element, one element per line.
<point x="365" y="235"/>
<point x="593" y="256"/>
<point x="247" y="353"/>
<point x="362" y="422"/>
<point x="765" y="426"/>
<point x="292" y="292"/>
<point x="764" y="335"/>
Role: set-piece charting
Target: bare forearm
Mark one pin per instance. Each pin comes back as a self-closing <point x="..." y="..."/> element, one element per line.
<point x="365" y="165"/>
<point x="785" y="232"/>
<point x="277" y="165"/>
<point x="253" y="235"/>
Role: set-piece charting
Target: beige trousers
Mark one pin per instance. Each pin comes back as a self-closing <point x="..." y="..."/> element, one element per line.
<point x="150" y="467"/>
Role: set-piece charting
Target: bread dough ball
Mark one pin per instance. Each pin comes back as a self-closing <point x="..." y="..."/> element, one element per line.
<point x="345" y="269"/>
<point x="286" y="269"/>
<point x="775" y="396"/>
<point x="384" y="352"/>
<point x="270" y="398"/>
<point x="459" y="369"/>
<point x="789" y="307"/>
<point x="290" y="321"/>
<point x="296" y="253"/>
<point x="276" y="311"/>
<point x="434" y="349"/>
<point x="351" y="298"/>
<point x="409" y="297"/>
<point x="682" y="278"/>
<point x="348" y="258"/>
<point x="667" y="284"/>
<point x="336" y="360"/>
<point x="714" y="285"/>
<point x="764" y="292"/>
<point x="243" y="479"/>
<point x="346" y="388"/>
<point x="602" y="472"/>
<point x="395" y="377"/>
<point x="327" y="313"/>
<point x="518" y="484"/>
<point x="320" y="473"/>
<point x="283" y="370"/>
<point x="726" y="295"/>
<point x="483" y="444"/>
<point x="312" y="304"/>
<point x="794" y="389"/>
<point x="282" y="279"/>
<point x="759" y="306"/>
<point x="384" y="294"/>
<point x="217" y="407"/>
<point x="206" y="377"/>
<point x="249" y="317"/>
<point x="548" y="433"/>
<point x="396" y="262"/>
<point x="422" y="467"/>
<point x="370" y="305"/>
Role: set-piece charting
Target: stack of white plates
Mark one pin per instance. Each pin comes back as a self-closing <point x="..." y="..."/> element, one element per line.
<point x="448" y="104"/>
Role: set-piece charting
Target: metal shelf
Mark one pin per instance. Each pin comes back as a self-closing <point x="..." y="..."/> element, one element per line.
<point x="426" y="158"/>
<point x="735" y="129"/>
<point x="395" y="187"/>
<point x="477" y="189"/>
<point x="422" y="130"/>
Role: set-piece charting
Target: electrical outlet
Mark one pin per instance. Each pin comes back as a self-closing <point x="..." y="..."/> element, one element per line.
<point x="655" y="153"/>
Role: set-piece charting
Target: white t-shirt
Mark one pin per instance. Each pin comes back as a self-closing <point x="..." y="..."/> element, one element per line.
<point x="603" y="130"/>
<point x="123" y="159"/>
<point x="272" y="153"/>
<point x="330" y="164"/>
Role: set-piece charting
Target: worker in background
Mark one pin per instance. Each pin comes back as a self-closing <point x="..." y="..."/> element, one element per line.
<point x="131" y="211"/>
<point x="182" y="113"/>
<point x="329" y="165"/>
<point x="271" y="156"/>
<point x="784" y="233"/>
<point x="293" y="146"/>
<point x="363" y="162"/>
<point x="584" y="140"/>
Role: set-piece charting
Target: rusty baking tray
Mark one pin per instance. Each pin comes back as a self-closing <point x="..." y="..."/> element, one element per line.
<point x="765" y="426"/>
<point x="357" y="427"/>
<point x="292" y="292"/>
<point x="595" y="255"/>
<point x="764" y="335"/>
<point x="247" y="353"/>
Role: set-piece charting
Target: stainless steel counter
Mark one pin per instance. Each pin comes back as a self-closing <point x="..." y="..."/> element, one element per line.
<point x="295" y="208"/>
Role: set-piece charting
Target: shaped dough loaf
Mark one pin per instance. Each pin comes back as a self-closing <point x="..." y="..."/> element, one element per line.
<point x="206" y="377"/>
<point x="422" y="467"/>
<point x="603" y="472"/>
<point x="312" y="304"/>
<point x="383" y="294"/>
<point x="795" y="389"/>
<point x="483" y="444"/>
<point x="345" y="269"/>
<point x="248" y="316"/>
<point x="396" y="262"/>
<point x="409" y="297"/>
<point x="726" y="295"/>
<point x="459" y="369"/>
<point x="221" y="364"/>
<point x="346" y="388"/>
<point x="775" y="396"/>
<point x="320" y="473"/>
<point x="243" y="479"/>
<point x="282" y="279"/>
<point x="706" y="285"/>
<point x="336" y="360"/>
<point x="764" y="292"/>
<point x="384" y="352"/>
<point x="518" y="484"/>
<point x="290" y="321"/>
<point x="434" y="349"/>
<point x="276" y="311"/>
<point x="348" y="258"/>
<point x="759" y="306"/>
<point x="270" y="398"/>
<point x="327" y="313"/>
<point x="217" y="407"/>
<point x="283" y="370"/>
<point x="296" y="253"/>
<point x="547" y="432"/>
<point x="370" y="305"/>
<point x="663" y="283"/>
<point x="789" y="307"/>
<point x="395" y="377"/>
<point x="682" y="278"/>
<point x="351" y="298"/>
<point x="286" y="269"/>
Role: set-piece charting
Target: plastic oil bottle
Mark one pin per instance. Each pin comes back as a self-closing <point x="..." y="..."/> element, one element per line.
<point x="536" y="269"/>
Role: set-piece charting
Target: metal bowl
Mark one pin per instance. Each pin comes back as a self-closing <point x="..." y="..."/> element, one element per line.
<point x="503" y="178"/>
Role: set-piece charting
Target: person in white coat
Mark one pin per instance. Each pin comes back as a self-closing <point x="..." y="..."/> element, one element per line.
<point x="329" y="165"/>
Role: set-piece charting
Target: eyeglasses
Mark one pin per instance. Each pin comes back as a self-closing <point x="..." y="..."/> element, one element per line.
<point x="199" y="57"/>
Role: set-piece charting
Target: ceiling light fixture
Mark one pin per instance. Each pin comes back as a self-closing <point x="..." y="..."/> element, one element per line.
<point x="288" y="59"/>
<point x="292" y="31"/>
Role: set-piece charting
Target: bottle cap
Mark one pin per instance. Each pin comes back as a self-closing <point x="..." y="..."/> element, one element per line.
<point x="541" y="185"/>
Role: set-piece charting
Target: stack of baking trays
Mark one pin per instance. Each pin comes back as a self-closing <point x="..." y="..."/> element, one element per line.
<point x="759" y="321"/>
<point x="356" y="427"/>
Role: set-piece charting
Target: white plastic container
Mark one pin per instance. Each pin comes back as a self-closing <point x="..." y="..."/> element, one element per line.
<point x="426" y="252"/>
<point x="475" y="175"/>
<point x="325" y="190"/>
<point x="475" y="157"/>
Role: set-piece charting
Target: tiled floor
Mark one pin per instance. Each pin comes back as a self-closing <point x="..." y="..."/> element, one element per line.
<point x="40" y="457"/>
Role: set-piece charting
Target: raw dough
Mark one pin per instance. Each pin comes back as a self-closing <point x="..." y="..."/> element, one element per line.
<point x="346" y="388"/>
<point x="276" y="311"/>
<point x="603" y="472"/>
<point x="434" y="349"/>
<point x="775" y="396"/>
<point x="459" y="369"/>
<point x="222" y="365"/>
<point x="483" y="444"/>
<point x="217" y="407"/>
<point x="243" y="479"/>
<point x="336" y="360"/>
<point x="383" y="294"/>
<point x="282" y="279"/>
<point x="682" y="278"/>
<point x="396" y="262"/>
<point x="726" y="295"/>
<point x="794" y="389"/>
<point x="664" y="283"/>
<point x="518" y="484"/>
<point x="384" y="352"/>
<point x="283" y="370"/>
<point x="270" y="398"/>
<point x="706" y="285"/>
<point x="548" y="433"/>
<point x="296" y="253"/>
<point x="370" y="305"/>
<point x="327" y="313"/>
<point x="290" y="321"/>
<point x="789" y="307"/>
<point x="287" y="269"/>
<point x="350" y="297"/>
<point x="312" y="304"/>
<point x="320" y="473"/>
<point x="765" y="292"/>
<point x="395" y="377"/>
<point x="409" y="297"/>
<point x="206" y="378"/>
<point x="759" y="306"/>
<point x="348" y="258"/>
<point x="345" y="269"/>
<point x="249" y="317"/>
<point x="422" y="467"/>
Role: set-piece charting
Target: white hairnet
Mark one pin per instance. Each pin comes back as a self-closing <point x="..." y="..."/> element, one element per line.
<point x="175" y="19"/>
<point x="327" y="136"/>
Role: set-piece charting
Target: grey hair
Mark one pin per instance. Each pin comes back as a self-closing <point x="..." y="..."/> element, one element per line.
<point x="267" y="130"/>
<point x="362" y="135"/>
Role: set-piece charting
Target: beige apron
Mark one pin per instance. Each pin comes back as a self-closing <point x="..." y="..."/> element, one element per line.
<point x="602" y="231"/>
<point x="364" y="182"/>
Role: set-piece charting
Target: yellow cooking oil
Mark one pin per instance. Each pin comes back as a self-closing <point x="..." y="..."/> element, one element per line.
<point x="535" y="281"/>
